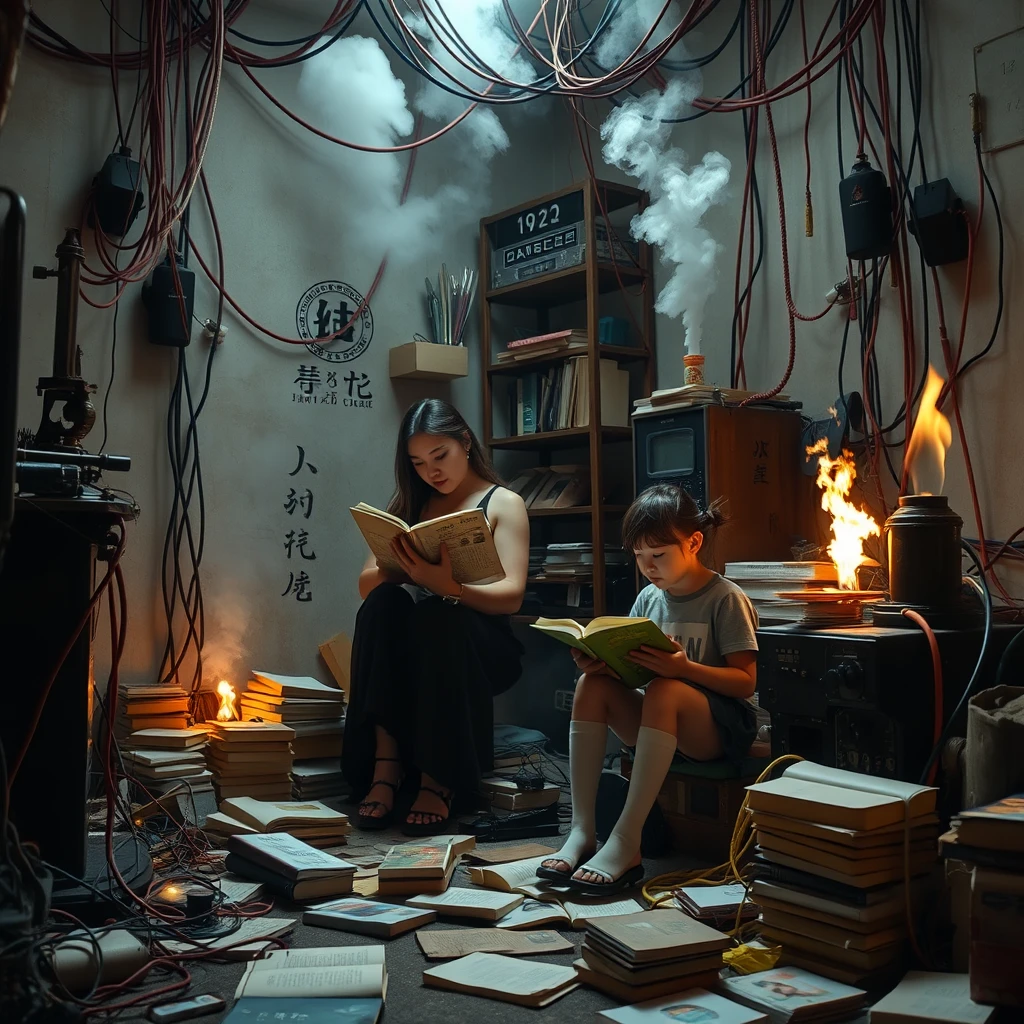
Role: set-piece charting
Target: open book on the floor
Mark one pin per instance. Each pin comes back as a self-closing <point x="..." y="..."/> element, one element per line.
<point x="525" y="982"/>
<point x="610" y="638"/>
<point x="329" y="983"/>
<point x="467" y="535"/>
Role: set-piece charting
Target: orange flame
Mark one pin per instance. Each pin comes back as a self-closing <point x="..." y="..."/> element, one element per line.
<point x="930" y="440"/>
<point x="850" y="525"/>
<point x="226" y="692"/>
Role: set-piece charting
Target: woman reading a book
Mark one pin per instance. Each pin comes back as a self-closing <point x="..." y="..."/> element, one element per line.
<point x="429" y="653"/>
<point x="697" y="702"/>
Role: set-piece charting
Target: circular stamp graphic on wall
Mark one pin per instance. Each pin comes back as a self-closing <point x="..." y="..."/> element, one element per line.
<point x="327" y="308"/>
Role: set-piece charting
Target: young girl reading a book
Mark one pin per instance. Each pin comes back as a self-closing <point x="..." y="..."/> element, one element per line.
<point x="698" y="702"/>
<point x="429" y="654"/>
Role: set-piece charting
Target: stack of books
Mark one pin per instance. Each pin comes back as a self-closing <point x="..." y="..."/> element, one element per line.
<point x="650" y="954"/>
<point x="716" y="905"/>
<point x="318" y="779"/>
<point x="988" y="842"/>
<point x="250" y="759"/>
<point x="160" y="759"/>
<point x="367" y="917"/>
<point x="795" y="995"/>
<point x="700" y="394"/>
<point x="504" y="793"/>
<point x="312" y="822"/>
<point x="831" y="868"/>
<point x="288" y="867"/>
<point x="150" y="707"/>
<point x="412" y="869"/>
<point x="543" y="344"/>
<point x="314" y="710"/>
<point x="574" y="560"/>
<point x="763" y="581"/>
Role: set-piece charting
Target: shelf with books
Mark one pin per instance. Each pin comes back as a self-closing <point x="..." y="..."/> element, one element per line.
<point x="620" y="353"/>
<point x="576" y="510"/>
<point x="564" y="286"/>
<point x="605" y="361"/>
<point x="574" y="436"/>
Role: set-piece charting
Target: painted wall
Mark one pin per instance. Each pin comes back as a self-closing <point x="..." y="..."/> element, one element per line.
<point x="282" y="202"/>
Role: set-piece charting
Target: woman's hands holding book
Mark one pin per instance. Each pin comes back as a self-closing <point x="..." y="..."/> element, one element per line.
<point x="664" y="664"/>
<point x="435" y="578"/>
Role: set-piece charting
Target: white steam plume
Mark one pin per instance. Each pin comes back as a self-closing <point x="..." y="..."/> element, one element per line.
<point x="635" y="141"/>
<point x="482" y="27"/>
<point x="631" y="24"/>
<point x="353" y="94"/>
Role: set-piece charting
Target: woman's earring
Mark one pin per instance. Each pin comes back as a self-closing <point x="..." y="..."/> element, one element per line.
<point x="467" y="454"/>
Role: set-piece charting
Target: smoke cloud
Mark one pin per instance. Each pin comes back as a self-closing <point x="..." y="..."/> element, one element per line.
<point x="631" y="24"/>
<point x="353" y="94"/>
<point x="635" y="141"/>
<point x="479" y="26"/>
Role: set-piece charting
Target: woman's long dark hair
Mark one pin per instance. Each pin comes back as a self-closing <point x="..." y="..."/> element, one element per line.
<point x="440" y="419"/>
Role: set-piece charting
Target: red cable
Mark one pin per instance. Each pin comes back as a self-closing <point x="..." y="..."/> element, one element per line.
<point x="933" y="646"/>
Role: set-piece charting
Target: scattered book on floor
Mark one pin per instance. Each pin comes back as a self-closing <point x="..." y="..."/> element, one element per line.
<point x="926" y="997"/>
<point x="507" y="854"/>
<point x="524" y="982"/>
<point x="336" y="983"/>
<point x="367" y="917"/>
<point x="610" y="638"/>
<point x="456" y="942"/>
<point x="693" y="1006"/>
<point x="288" y="866"/>
<point x="509" y="876"/>
<point x="482" y="903"/>
<point x="467" y="535"/>
<point x="283" y="815"/>
<point x="531" y="913"/>
<point x="794" y="995"/>
<point x="412" y="869"/>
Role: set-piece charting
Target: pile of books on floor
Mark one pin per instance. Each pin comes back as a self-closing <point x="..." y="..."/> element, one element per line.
<point x="507" y="795"/>
<point x="717" y="905"/>
<point x="650" y="954"/>
<point x="250" y="759"/>
<point x="150" y="707"/>
<point x="762" y="582"/>
<point x="411" y="869"/>
<point x="314" y="710"/>
<point x="312" y="822"/>
<point x="987" y="844"/>
<point x="830" y="869"/>
<point x="161" y="758"/>
<point x="318" y="779"/>
<point x="288" y="867"/>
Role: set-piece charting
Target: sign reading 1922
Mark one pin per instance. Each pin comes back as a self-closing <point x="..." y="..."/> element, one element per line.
<point x="556" y="214"/>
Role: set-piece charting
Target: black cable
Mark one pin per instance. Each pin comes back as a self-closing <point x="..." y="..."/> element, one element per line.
<point x="969" y="688"/>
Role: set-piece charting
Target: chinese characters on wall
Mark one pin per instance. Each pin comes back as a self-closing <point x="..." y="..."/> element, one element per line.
<point x="314" y="386"/>
<point x="298" y="545"/>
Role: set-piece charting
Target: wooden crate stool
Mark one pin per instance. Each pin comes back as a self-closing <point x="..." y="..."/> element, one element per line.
<point x="700" y="801"/>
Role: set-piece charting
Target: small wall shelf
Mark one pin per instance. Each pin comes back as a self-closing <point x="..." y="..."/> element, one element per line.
<point x="423" y="360"/>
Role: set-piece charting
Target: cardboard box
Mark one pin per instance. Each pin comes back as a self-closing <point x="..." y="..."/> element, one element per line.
<point x="997" y="937"/>
<point x="423" y="360"/>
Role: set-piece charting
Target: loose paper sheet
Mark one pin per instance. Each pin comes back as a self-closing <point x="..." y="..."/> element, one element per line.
<point x="442" y="945"/>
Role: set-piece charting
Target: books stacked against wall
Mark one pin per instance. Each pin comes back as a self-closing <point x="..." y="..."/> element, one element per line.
<point x="150" y="707"/>
<point x="559" y="399"/>
<point x="650" y="955"/>
<point x="251" y="759"/>
<point x="316" y="712"/>
<point x="288" y="867"/>
<point x="311" y="821"/>
<point x="762" y="582"/>
<point x="553" y="486"/>
<point x="987" y="843"/>
<point x="160" y="759"/>
<point x="831" y="869"/>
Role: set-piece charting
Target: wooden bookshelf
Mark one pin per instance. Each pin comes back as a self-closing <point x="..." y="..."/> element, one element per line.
<point x="588" y="282"/>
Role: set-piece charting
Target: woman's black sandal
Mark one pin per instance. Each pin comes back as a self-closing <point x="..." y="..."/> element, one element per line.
<point x="430" y="828"/>
<point x="376" y="822"/>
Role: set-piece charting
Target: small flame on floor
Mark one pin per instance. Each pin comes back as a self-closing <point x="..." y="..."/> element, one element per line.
<point x="226" y="693"/>
<point x="850" y="525"/>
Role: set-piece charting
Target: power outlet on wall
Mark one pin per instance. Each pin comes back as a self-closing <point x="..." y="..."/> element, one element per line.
<point x="563" y="700"/>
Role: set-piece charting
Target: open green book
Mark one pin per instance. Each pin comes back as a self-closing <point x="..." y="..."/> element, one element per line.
<point x="609" y="639"/>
